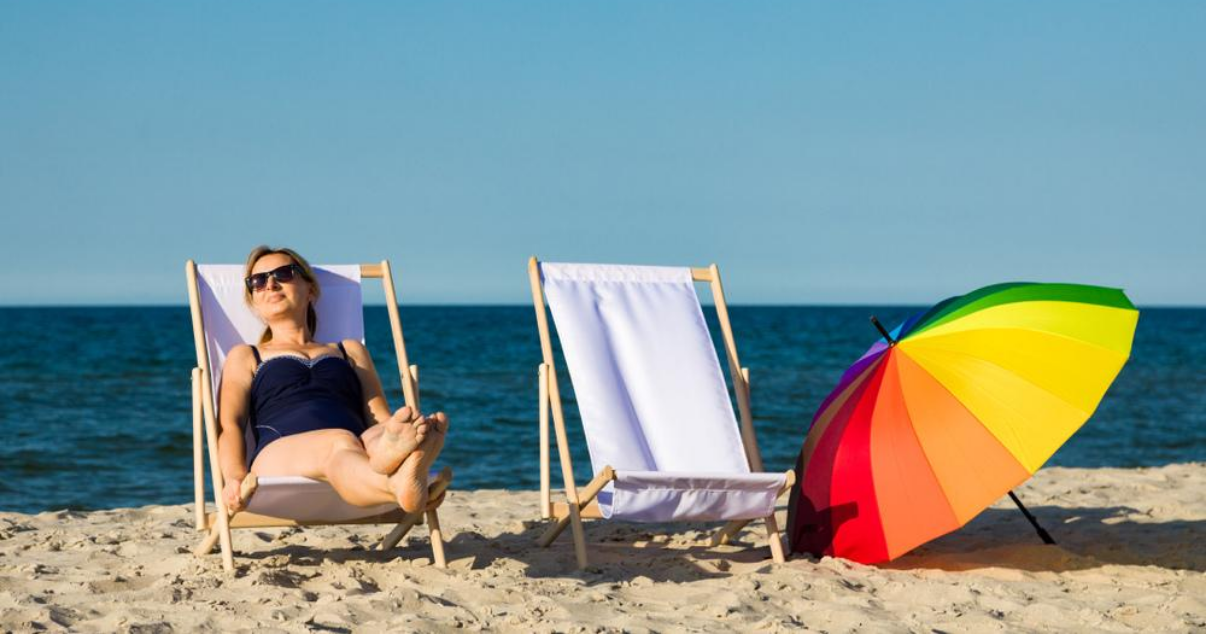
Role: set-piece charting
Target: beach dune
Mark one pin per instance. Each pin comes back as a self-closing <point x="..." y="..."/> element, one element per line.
<point x="1131" y="555"/>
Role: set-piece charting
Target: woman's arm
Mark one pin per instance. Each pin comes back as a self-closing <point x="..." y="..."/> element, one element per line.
<point x="233" y="411"/>
<point x="376" y="408"/>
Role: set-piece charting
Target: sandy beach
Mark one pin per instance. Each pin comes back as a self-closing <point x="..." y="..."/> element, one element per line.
<point x="1131" y="556"/>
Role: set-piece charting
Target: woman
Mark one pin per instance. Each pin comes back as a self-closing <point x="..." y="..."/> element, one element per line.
<point x="315" y="409"/>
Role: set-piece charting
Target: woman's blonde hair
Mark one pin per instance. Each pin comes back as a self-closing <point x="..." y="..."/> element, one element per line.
<point x="307" y="274"/>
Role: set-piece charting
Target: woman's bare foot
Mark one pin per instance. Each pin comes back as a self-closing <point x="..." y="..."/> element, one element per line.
<point x="409" y="482"/>
<point x="402" y="434"/>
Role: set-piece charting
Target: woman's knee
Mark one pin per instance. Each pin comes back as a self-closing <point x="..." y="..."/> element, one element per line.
<point x="341" y="441"/>
<point x="371" y="433"/>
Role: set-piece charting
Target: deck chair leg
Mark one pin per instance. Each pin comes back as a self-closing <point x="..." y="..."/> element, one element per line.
<point x="227" y="546"/>
<point x="222" y="525"/>
<point x="207" y="543"/>
<point x="400" y="531"/>
<point x="574" y="517"/>
<point x="198" y="454"/>
<point x="579" y="538"/>
<point x="728" y="531"/>
<point x="437" y="487"/>
<point x="437" y="539"/>
<point x="772" y="525"/>
<point x="553" y="531"/>
<point x="776" y="541"/>
<point x="219" y="532"/>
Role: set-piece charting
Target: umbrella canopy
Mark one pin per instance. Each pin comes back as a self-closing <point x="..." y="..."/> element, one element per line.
<point x="951" y="410"/>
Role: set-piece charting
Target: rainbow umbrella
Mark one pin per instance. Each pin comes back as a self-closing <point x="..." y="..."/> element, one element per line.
<point x="950" y="411"/>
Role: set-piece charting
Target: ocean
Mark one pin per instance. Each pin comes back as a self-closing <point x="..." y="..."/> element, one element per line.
<point x="95" y="402"/>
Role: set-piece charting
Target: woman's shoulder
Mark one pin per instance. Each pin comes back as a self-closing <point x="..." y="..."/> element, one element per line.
<point x="353" y="347"/>
<point x="240" y="361"/>
<point x="356" y="351"/>
<point x="242" y="350"/>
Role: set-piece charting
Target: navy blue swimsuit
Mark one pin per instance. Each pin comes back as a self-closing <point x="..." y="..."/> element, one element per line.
<point x="291" y="394"/>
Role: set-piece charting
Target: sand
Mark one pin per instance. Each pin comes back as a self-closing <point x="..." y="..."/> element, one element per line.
<point x="1131" y="556"/>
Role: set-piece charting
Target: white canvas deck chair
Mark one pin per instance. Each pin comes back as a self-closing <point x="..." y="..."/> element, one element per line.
<point x="659" y="425"/>
<point x="221" y="321"/>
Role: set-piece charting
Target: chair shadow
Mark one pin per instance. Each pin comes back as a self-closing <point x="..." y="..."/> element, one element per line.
<point x="619" y="552"/>
<point x="362" y="549"/>
<point x="623" y="552"/>
<point x="1086" y="538"/>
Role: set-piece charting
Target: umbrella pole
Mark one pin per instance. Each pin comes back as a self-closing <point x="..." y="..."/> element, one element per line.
<point x="1044" y="535"/>
<point x="883" y="331"/>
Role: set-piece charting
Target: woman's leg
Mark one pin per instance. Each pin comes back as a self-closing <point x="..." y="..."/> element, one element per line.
<point x="336" y="456"/>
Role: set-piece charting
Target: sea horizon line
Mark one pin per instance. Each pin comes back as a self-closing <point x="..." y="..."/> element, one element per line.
<point x="755" y="304"/>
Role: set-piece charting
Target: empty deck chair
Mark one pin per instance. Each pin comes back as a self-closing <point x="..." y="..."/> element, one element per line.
<point x="221" y="321"/>
<point x="663" y="441"/>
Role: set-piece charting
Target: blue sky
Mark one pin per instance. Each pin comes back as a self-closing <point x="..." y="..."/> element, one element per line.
<point x="819" y="152"/>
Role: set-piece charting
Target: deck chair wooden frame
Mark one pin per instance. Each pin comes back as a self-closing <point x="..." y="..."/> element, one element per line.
<point x="581" y="503"/>
<point x="218" y="525"/>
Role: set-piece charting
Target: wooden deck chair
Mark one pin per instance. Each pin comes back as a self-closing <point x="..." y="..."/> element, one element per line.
<point x="221" y="320"/>
<point x="659" y="425"/>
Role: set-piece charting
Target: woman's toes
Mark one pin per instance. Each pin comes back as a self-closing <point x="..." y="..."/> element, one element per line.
<point x="422" y="428"/>
<point x="404" y="416"/>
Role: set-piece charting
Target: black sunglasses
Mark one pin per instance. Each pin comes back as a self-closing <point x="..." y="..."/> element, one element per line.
<point x="283" y="274"/>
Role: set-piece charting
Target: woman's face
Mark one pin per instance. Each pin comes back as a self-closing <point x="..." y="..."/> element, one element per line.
<point x="277" y="300"/>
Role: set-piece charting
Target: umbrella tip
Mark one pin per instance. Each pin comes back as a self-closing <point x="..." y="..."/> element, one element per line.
<point x="883" y="331"/>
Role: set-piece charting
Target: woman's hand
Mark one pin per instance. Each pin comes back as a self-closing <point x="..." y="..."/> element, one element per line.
<point x="232" y="495"/>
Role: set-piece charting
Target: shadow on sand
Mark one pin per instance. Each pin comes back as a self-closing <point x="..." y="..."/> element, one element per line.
<point x="623" y="552"/>
<point x="618" y="552"/>
<point x="1085" y="538"/>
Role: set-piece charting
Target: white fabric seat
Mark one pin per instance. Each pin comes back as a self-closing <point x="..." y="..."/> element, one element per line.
<point x="652" y="398"/>
<point x="306" y="500"/>
<point x="652" y="496"/>
<point x="309" y="500"/>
